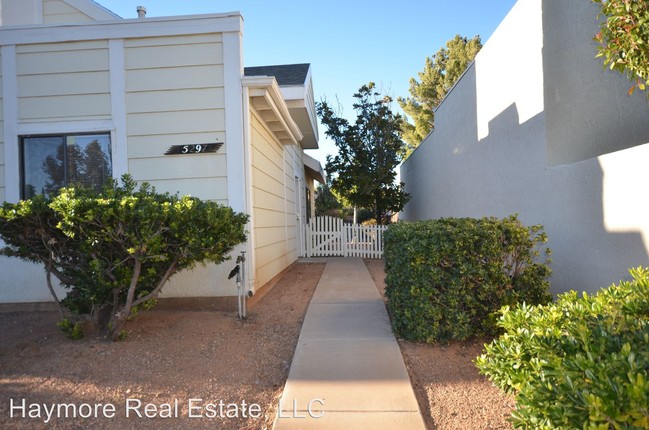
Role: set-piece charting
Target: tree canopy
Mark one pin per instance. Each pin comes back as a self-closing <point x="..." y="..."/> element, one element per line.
<point x="325" y="201"/>
<point x="440" y="73"/>
<point x="624" y="39"/>
<point x="369" y="150"/>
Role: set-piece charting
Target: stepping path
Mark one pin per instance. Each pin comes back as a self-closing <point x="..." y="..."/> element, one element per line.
<point x="347" y="371"/>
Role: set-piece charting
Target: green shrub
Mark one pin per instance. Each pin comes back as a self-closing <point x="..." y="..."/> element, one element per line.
<point x="116" y="249"/>
<point x="624" y="31"/>
<point x="447" y="278"/>
<point x="72" y="330"/>
<point x="581" y="362"/>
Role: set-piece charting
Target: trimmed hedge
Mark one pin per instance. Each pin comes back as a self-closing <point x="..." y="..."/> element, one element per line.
<point x="581" y="362"/>
<point x="446" y="278"/>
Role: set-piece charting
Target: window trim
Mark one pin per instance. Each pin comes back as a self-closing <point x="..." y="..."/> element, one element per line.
<point x="64" y="136"/>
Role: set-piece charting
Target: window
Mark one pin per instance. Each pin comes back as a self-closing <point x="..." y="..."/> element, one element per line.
<point x="54" y="161"/>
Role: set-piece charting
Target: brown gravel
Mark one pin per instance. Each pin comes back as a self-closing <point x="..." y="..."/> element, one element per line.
<point x="450" y="391"/>
<point x="168" y="356"/>
<point x="174" y="356"/>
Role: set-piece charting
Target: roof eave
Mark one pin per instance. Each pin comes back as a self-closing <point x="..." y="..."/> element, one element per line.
<point x="264" y="91"/>
<point x="314" y="167"/>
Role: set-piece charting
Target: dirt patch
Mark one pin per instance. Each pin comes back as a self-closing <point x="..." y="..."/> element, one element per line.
<point x="450" y="391"/>
<point x="168" y="358"/>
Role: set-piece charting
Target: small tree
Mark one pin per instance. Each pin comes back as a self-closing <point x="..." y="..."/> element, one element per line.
<point x="115" y="250"/>
<point x="326" y="202"/>
<point x="440" y="73"/>
<point x="624" y="39"/>
<point x="363" y="171"/>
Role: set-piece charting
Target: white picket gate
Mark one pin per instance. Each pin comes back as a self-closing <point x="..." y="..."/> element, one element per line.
<point x="327" y="236"/>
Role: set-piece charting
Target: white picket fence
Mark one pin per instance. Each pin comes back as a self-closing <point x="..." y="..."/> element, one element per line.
<point x="327" y="236"/>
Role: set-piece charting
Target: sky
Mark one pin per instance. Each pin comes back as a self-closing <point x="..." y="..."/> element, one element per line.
<point x="348" y="43"/>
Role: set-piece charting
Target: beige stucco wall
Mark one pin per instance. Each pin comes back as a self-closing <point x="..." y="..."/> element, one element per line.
<point x="493" y="149"/>
<point x="273" y="203"/>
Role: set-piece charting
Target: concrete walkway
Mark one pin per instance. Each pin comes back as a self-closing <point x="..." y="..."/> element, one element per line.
<point x="347" y="372"/>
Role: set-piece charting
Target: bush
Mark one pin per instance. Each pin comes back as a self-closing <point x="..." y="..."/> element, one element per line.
<point x="446" y="278"/>
<point x="581" y="362"/>
<point x="622" y="39"/>
<point x="115" y="249"/>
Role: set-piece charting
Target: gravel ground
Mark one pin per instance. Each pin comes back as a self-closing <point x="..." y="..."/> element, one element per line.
<point x="168" y="358"/>
<point x="235" y="367"/>
<point x="450" y="391"/>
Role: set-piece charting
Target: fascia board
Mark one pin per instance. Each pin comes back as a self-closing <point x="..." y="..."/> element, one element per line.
<point x="293" y="92"/>
<point x="150" y="27"/>
<point x="315" y="166"/>
<point x="274" y="97"/>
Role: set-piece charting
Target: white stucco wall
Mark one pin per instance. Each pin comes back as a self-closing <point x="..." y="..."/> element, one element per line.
<point x="587" y="108"/>
<point x="489" y="153"/>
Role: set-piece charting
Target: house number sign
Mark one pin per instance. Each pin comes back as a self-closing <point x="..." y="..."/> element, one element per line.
<point x="194" y="148"/>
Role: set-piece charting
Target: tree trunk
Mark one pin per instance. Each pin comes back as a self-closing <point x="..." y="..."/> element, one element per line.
<point x="120" y="317"/>
<point x="48" y="277"/>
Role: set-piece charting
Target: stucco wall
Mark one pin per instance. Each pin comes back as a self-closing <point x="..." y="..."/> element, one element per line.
<point x="488" y="156"/>
<point x="585" y="104"/>
<point x="273" y="203"/>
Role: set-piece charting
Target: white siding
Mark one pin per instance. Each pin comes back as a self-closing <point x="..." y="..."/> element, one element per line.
<point x="165" y="91"/>
<point x="57" y="11"/>
<point x="2" y="147"/>
<point x="293" y="169"/>
<point x="273" y="204"/>
<point x="174" y="96"/>
<point x="63" y="81"/>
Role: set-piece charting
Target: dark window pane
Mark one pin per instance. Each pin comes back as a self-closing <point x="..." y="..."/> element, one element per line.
<point x="52" y="162"/>
<point x="43" y="171"/>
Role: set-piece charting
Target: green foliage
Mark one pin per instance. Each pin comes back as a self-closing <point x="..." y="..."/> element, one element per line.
<point x="624" y="39"/>
<point x="440" y="73"/>
<point x="115" y="249"/>
<point x="581" y="362"/>
<point x="363" y="171"/>
<point x="72" y="330"/>
<point x="446" y="278"/>
<point x="326" y="203"/>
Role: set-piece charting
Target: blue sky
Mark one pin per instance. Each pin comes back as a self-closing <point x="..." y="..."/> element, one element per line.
<point x="348" y="43"/>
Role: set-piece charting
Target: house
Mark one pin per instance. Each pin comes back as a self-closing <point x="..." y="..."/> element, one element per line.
<point x="537" y="127"/>
<point x="168" y="101"/>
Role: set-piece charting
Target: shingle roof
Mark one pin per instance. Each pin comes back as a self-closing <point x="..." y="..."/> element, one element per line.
<point x="286" y="74"/>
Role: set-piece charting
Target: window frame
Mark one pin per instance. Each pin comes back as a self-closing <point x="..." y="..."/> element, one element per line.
<point x="63" y="136"/>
